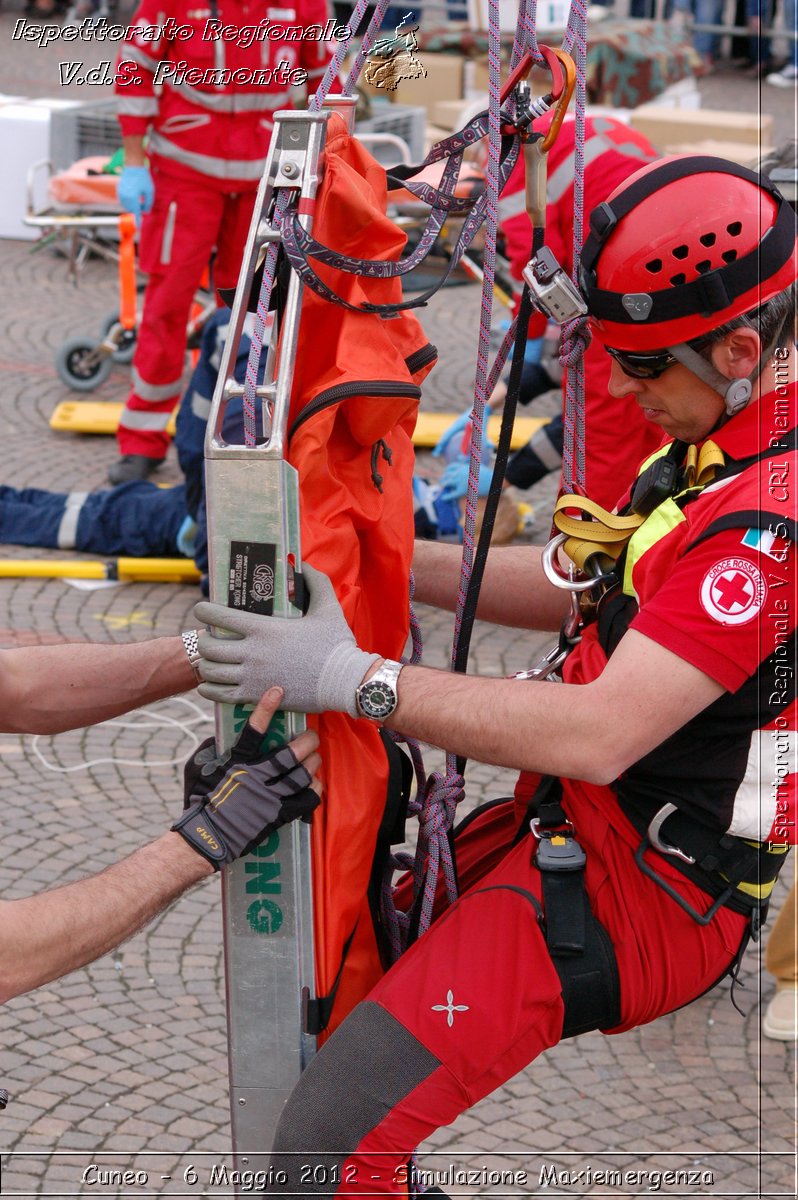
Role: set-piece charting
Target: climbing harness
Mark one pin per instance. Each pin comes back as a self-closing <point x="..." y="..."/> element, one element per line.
<point x="735" y="871"/>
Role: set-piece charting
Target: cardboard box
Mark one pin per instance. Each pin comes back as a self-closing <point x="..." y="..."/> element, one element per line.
<point x="433" y="134"/>
<point x="683" y="126"/>
<point x="443" y="81"/>
<point x="682" y="94"/>
<point x="743" y="153"/>
<point x="447" y="114"/>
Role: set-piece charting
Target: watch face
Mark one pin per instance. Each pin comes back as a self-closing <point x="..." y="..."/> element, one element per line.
<point x="377" y="699"/>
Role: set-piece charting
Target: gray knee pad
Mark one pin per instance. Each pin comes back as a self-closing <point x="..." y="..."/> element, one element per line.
<point x="366" y="1068"/>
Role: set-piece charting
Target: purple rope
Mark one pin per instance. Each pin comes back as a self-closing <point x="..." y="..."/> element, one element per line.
<point x="525" y="41"/>
<point x="483" y="346"/>
<point x="575" y="336"/>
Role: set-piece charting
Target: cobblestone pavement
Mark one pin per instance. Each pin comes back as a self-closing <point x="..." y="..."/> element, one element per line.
<point x="123" y="1064"/>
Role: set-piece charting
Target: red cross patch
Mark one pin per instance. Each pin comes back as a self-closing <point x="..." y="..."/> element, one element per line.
<point x="733" y="591"/>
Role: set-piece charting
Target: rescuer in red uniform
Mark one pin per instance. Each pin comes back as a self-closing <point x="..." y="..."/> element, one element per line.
<point x="666" y="797"/>
<point x="201" y="84"/>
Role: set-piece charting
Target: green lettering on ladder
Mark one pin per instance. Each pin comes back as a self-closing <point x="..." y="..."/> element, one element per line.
<point x="267" y="873"/>
<point x="264" y="916"/>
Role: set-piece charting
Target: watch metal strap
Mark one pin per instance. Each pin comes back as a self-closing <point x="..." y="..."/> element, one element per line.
<point x="387" y="673"/>
<point x="191" y="643"/>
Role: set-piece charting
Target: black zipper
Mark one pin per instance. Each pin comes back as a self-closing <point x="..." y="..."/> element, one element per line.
<point x="359" y="387"/>
<point x="420" y="358"/>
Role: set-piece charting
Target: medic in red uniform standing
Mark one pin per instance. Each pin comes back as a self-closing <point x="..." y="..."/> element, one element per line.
<point x="200" y="81"/>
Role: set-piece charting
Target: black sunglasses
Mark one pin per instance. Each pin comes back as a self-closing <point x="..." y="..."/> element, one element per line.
<point x="650" y="366"/>
<point x="642" y="366"/>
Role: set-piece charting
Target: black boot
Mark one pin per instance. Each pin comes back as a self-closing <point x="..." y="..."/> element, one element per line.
<point x="131" y="467"/>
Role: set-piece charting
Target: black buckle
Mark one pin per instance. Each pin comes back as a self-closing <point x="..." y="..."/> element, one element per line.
<point x="603" y="220"/>
<point x="558" y="849"/>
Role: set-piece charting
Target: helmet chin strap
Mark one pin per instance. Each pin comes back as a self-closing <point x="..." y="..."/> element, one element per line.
<point x="736" y="393"/>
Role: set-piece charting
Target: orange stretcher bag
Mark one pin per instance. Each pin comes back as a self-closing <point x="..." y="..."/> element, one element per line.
<point x="354" y="404"/>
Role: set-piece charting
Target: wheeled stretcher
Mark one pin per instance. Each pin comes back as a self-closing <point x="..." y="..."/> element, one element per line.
<point x="81" y="210"/>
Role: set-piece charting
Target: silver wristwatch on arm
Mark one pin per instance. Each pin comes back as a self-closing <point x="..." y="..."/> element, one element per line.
<point x="190" y="638"/>
<point x="377" y="697"/>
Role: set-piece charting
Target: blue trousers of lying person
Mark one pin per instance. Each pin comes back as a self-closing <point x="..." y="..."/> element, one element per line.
<point x="139" y="519"/>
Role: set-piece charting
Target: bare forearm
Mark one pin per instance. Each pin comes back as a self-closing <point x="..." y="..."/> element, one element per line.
<point x="591" y="731"/>
<point x="46" y="689"/>
<point x="531" y="725"/>
<point x="46" y="936"/>
<point x="514" y="590"/>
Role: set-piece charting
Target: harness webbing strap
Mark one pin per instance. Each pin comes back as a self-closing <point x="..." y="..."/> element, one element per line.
<point x="603" y="533"/>
<point x="300" y="247"/>
<point x="779" y="524"/>
<point x="597" y="531"/>
<point x="580" y="947"/>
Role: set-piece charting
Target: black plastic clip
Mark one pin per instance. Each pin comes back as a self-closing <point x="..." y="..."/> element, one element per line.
<point x="558" y="849"/>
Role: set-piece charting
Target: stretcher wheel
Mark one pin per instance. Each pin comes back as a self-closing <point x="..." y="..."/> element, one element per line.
<point x="127" y="342"/>
<point x="79" y="366"/>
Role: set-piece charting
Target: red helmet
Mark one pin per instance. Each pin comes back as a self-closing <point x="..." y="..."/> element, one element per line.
<point x="681" y="247"/>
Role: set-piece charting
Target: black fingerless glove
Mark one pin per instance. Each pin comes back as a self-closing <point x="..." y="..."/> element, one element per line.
<point x="234" y="801"/>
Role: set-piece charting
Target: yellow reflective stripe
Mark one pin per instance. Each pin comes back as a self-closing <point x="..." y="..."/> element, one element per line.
<point x="761" y="891"/>
<point x="668" y="515"/>
<point x="657" y="525"/>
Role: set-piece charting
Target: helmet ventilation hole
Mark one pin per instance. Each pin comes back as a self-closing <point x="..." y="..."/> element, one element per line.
<point x="703" y="267"/>
<point x="654" y="266"/>
<point x="680" y="251"/>
<point x="707" y="239"/>
<point x="735" y="229"/>
<point x="729" y="256"/>
<point x="678" y="280"/>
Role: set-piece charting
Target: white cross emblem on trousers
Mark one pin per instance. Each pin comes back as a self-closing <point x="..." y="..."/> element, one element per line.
<point x="450" y="1008"/>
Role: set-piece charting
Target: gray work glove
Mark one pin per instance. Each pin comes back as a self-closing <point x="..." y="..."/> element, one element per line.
<point x="230" y="809"/>
<point x="314" y="659"/>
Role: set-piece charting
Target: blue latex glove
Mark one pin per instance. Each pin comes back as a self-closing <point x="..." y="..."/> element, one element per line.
<point x="456" y="427"/>
<point x="454" y="480"/>
<point x="186" y="536"/>
<point x="136" y="191"/>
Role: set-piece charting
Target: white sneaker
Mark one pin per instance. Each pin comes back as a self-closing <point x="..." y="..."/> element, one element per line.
<point x="786" y="77"/>
<point x="780" y="1021"/>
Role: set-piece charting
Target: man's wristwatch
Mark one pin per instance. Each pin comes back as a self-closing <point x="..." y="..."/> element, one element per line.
<point x="191" y="644"/>
<point x="377" y="697"/>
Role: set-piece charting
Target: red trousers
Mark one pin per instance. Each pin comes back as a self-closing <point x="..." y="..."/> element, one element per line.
<point x="476" y="999"/>
<point x="190" y="216"/>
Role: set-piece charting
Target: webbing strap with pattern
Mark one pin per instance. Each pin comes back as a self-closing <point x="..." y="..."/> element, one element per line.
<point x="300" y="246"/>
